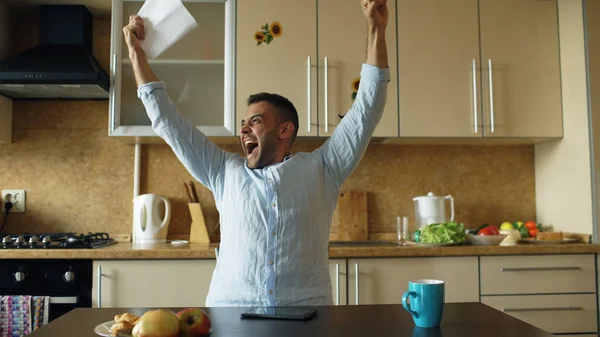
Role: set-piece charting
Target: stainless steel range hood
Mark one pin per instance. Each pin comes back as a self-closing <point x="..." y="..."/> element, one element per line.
<point x="61" y="66"/>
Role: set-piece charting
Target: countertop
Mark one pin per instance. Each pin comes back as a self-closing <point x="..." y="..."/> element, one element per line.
<point x="459" y="319"/>
<point x="207" y="251"/>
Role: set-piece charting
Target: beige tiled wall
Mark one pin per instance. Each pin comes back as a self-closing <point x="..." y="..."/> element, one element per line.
<point x="79" y="179"/>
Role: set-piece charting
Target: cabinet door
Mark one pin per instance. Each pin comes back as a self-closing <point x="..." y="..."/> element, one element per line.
<point x="440" y="87"/>
<point x="338" y="274"/>
<point x="283" y="63"/>
<point x="156" y="283"/>
<point x="384" y="280"/>
<point x="521" y="69"/>
<point x="342" y="51"/>
<point x="194" y="70"/>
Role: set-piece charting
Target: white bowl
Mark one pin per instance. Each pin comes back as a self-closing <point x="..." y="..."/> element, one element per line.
<point x="485" y="240"/>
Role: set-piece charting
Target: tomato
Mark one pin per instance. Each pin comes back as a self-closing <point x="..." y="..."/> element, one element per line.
<point x="533" y="232"/>
<point x="489" y="230"/>
<point x="530" y="225"/>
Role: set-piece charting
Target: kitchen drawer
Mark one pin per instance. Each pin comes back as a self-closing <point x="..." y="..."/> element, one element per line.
<point x="537" y="274"/>
<point x="552" y="313"/>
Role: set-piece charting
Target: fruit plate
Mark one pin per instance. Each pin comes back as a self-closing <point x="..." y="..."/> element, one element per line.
<point x="485" y="240"/>
<point x="103" y="329"/>
<point x="547" y="242"/>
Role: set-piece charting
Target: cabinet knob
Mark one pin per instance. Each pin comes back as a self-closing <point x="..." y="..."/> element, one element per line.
<point x="19" y="276"/>
<point x="69" y="276"/>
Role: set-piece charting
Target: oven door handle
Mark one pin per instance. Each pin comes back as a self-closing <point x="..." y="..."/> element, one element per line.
<point x="63" y="300"/>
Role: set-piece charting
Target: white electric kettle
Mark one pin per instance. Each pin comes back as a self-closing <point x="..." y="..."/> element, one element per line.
<point x="148" y="227"/>
<point x="432" y="209"/>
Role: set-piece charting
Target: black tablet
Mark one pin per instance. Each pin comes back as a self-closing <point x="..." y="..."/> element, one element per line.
<point x="300" y="314"/>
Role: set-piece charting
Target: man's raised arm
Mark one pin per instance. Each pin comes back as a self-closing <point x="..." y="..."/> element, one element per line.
<point x="343" y="151"/>
<point x="200" y="156"/>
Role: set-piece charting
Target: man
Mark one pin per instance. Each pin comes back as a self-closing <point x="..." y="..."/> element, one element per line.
<point x="275" y="207"/>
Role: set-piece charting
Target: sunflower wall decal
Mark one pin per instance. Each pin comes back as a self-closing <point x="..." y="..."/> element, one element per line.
<point x="355" y="85"/>
<point x="268" y="33"/>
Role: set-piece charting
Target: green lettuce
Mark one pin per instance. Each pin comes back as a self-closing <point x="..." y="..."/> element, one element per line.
<point x="452" y="232"/>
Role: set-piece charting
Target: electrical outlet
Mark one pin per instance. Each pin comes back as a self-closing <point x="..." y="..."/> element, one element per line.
<point x="17" y="197"/>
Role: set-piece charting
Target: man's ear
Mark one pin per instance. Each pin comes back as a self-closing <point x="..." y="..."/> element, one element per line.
<point x="286" y="130"/>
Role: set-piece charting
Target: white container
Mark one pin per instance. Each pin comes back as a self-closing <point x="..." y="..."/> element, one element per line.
<point x="148" y="227"/>
<point x="431" y="209"/>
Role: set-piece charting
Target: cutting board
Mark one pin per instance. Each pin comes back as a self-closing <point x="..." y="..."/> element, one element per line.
<point x="350" y="217"/>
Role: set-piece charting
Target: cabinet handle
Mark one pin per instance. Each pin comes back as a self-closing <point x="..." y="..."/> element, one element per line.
<point x="99" y="294"/>
<point x="63" y="300"/>
<point x="337" y="282"/>
<point x="491" y="95"/>
<point x="114" y="93"/>
<point x="570" y="308"/>
<point x="326" y="97"/>
<point x="356" y="279"/>
<point x="540" y="268"/>
<point x="475" y="122"/>
<point x="308" y="90"/>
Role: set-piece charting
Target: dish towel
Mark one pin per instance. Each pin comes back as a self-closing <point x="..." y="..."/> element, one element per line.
<point x="22" y="314"/>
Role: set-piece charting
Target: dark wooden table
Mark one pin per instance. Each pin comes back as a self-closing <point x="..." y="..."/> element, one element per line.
<point x="460" y="320"/>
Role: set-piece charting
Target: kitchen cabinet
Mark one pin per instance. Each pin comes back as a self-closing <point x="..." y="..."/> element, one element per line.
<point x="339" y="279"/>
<point x="151" y="283"/>
<point x="197" y="71"/>
<point x="5" y="119"/>
<point x="487" y="68"/>
<point x="556" y="293"/>
<point x="520" y="68"/>
<point x="384" y="280"/>
<point x="313" y="62"/>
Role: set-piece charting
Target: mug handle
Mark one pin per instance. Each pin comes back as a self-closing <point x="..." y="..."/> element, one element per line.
<point x="406" y="304"/>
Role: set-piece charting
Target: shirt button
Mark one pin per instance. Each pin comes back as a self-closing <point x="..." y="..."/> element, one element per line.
<point x="271" y="262"/>
<point x="273" y="204"/>
<point x="270" y="291"/>
<point x="274" y="233"/>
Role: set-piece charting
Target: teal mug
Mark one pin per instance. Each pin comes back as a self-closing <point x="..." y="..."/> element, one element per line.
<point x="425" y="301"/>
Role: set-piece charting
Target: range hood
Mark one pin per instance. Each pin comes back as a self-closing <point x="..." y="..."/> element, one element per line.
<point x="62" y="65"/>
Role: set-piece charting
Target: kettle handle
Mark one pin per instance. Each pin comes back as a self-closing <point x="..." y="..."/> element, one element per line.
<point x="167" y="211"/>
<point x="451" y="207"/>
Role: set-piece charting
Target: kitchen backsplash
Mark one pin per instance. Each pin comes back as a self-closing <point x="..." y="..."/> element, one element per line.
<point x="78" y="179"/>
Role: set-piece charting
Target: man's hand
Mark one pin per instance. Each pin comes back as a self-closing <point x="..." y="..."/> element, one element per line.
<point x="134" y="32"/>
<point x="376" y="12"/>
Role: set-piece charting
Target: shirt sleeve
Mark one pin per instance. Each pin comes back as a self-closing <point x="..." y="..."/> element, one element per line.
<point x="342" y="152"/>
<point x="203" y="159"/>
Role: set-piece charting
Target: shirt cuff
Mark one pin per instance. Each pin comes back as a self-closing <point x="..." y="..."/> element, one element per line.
<point x="373" y="73"/>
<point x="149" y="87"/>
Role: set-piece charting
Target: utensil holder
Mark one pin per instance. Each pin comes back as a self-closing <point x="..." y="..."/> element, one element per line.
<point x="198" y="230"/>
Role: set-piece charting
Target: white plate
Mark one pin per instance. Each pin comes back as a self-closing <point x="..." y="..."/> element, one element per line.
<point x="103" y="329"/>
<point x="547" y="242"/>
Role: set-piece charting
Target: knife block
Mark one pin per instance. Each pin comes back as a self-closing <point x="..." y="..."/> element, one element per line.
<point x="198" y="230"/>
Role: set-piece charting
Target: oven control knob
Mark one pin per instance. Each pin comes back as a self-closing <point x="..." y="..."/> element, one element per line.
<point x="69" y="276"/>
<point x="6" y="240"/>
<point x="46" y="239"/>
<point x="20" y="240"/>
<point x="19" y="276"/>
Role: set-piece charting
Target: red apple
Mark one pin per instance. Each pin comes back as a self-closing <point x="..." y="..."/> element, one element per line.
<point x="157" y="323"/>
<point x="193" y="322"/>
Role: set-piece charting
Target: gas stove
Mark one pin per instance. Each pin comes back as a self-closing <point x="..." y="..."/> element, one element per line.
<point x="54" y="240"/>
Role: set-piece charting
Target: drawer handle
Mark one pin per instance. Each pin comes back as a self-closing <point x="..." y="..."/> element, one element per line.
<point x="540" y="268"/>
<point x="570" y="308"/>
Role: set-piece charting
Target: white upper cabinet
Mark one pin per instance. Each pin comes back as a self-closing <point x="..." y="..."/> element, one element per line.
<point x="197" y="71"/>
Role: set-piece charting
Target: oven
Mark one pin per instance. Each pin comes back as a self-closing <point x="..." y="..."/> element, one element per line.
<point x="68" y="282"/>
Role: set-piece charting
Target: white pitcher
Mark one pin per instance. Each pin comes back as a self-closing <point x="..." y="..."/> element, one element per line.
<point x="148" y="227"/>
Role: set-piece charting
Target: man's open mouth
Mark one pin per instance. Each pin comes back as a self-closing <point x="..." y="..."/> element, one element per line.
<point x="250" y="146"/>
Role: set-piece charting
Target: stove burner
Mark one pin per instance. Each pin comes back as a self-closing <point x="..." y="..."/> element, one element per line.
<point x="55" y="240"/>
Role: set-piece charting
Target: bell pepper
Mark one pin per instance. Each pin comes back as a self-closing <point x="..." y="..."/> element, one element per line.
<point x="489" y="230"/>
<point x="524" y="232"/>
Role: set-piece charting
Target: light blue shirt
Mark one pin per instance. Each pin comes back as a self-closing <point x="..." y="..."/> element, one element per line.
<point x="275" y="221"/>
